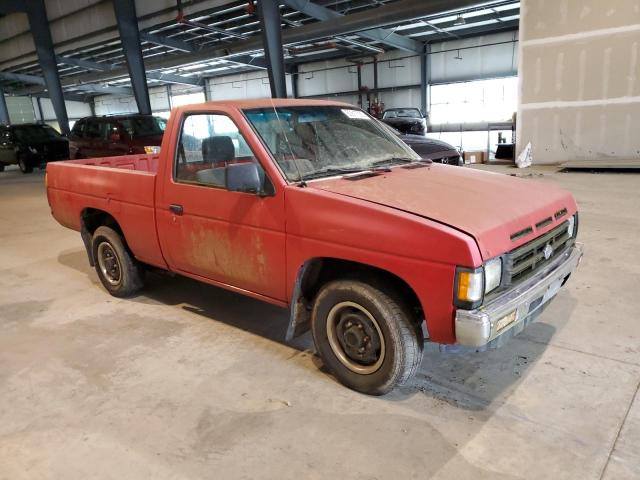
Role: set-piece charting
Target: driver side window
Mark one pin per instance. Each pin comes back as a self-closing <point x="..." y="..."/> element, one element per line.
<point x="208" y="144"/>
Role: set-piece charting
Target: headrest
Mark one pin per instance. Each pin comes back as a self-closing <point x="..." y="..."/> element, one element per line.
<point x="305" y="132"/>
<point x="218" y="149"/>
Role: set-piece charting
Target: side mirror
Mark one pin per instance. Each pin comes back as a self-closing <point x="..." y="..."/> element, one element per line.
<point x="244" y="177"/>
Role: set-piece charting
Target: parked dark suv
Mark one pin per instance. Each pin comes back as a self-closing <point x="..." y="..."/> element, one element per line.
<point x="111" y="136"/>
<point x="31" y="145"/>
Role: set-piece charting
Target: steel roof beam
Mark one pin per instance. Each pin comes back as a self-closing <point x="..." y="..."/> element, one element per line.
<point x="103" y="89"/>
<point x="384" y="36"/>
<point x="270" y="24"/>
<point x="165" y="41"/>
<point x="503" y="26"/>
<point x="67" y="96"/>
<point x="127" y="19"/>
<point x="171" y="78"/>
<point x="22" y="78"/>
<point x="86" y="64"/>
<point x="393" y="13"/>
<point x="39" y="24"/>
<point x="441" y="27"/>
<point x="11" y="6"/>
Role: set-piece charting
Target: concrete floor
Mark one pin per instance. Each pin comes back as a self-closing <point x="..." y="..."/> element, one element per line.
<point x="188" y="381"/>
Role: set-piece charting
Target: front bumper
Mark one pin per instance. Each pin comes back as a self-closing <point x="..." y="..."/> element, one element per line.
<point x="507" y="315"/>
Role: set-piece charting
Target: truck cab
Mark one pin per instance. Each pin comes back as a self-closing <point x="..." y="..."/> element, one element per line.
<point x="315" y="206"/>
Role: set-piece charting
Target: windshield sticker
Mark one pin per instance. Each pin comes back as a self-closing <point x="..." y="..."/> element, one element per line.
<point x="355" y="114"/>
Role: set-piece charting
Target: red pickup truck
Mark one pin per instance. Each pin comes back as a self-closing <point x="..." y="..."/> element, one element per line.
<point x="316" y="206"/>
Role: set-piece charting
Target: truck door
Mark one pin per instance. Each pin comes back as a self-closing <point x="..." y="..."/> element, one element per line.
<point x="233" y="238"/>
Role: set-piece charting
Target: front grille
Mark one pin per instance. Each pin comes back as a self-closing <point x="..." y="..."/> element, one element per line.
<point x="525" y="260"/>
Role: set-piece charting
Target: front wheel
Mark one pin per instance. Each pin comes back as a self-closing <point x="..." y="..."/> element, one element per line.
<point x="119" y="272"/>
<point x="366" y="336"/>
<point x="24" y="165"/>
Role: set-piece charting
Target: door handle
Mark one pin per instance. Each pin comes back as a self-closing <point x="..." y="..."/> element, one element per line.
<point x="176" y="209"/>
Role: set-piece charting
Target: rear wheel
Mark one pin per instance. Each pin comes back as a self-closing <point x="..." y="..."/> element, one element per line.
<point x="366" y="336"/>
<point x="119" y="272"/>
<point x="24" y="165"/>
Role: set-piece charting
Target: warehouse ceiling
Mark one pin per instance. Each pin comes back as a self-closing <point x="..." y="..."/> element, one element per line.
<point x="184" y="42"/>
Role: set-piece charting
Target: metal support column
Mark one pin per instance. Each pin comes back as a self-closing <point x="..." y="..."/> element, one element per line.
<point x="40" y="113"/>
<point x="359" y="85"/>
<point x="4" y="111"/>
<point x="127" y="19"/>
<point x="425" y="79"/>
<point x="270" y="24"/>
<point x="375" y="78"/>
<point x="39" y="23"/>
<point x="294" y="81"/>
<point x="205" y="88"/>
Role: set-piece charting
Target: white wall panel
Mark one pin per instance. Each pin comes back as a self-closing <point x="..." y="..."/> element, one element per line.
<point x="242" y="86"/>
<point x="74" y="109"/>
<point x="111" y="104"/>
<point x="401" y="98"/>
<point x="319" y="78"/>
<point x="399" y="69"/>
<point x="395" y="71"/>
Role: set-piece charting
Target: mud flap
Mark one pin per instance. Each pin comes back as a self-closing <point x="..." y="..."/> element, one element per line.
<point x="300" y="317"/>
<point x="86" y="239"/>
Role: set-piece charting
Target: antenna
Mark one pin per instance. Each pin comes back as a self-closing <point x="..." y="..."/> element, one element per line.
<point x="301" y="179"/>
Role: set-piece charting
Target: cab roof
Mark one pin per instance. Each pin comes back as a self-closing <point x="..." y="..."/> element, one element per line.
<point x="266" y="103"/>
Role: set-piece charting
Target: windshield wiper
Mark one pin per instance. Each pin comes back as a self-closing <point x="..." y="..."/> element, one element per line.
<point x="323" y="172"/>
<point x="393" y="160"/>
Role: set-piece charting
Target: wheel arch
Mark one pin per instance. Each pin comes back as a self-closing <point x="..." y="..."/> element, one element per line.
<point x="90" y="220"/>
<point x="316" y="272"/>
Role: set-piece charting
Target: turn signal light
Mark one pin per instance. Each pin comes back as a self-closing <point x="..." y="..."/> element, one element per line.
<point x="470" y="286"/>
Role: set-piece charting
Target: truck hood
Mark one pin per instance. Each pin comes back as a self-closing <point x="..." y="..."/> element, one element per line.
<point x="491" y="207"/>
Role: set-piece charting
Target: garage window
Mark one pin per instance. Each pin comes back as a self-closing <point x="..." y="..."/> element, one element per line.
<point x="479" y="101"/>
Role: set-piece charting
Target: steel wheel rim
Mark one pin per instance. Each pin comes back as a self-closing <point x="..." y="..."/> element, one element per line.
<point x="109" y="264"/>
<point x="347" y="341"/>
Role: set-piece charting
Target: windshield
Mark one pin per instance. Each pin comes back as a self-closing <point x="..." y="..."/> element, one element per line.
<point x="35" y="133"/>
<point x="316" y="141"/>
<point x="402" y="113"/>
<point x="138" y="127"/>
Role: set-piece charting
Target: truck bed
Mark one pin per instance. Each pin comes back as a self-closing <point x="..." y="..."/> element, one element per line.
<point x="123" y="187"/>
<point x="141" y="163"/>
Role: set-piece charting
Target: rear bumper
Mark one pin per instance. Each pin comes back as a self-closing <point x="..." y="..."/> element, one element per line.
<point x="507" y="315"/>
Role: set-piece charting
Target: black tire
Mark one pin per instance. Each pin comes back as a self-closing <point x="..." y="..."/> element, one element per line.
<point x="127" y="277"/>
<point x="24" y="165"/>
<point x="397" y="353"/>
<point x="1" y="167"/>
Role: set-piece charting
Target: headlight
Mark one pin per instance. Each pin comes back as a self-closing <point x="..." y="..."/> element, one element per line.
<point x="153" y="149"/>
<point x="471" y="285"/>
<point x="492" y="274"/>
<point x="572" y="225"/>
